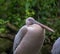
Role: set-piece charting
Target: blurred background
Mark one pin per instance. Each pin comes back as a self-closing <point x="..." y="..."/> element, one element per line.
<point x="13" y="14"/>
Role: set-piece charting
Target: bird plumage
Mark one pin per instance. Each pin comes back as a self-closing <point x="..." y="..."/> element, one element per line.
<point x="32" y="41"/>
<point x="30" y="38"/>
<point x="56" y="47"/>
<point x="19" y="37"/>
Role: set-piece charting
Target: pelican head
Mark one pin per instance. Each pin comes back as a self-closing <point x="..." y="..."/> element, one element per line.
<point x="30" y="21"/>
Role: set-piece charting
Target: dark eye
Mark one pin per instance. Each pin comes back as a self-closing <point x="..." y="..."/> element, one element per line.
<point x="29" y="19"/>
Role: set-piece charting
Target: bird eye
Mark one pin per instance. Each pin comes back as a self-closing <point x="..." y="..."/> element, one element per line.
<point x="29" y="19"/>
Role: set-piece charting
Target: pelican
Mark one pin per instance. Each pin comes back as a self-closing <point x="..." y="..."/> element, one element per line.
<point x="56" y="47"/>
<point x="30" y="37"/>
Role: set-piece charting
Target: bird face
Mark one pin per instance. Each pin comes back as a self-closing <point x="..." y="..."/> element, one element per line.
<point x="30" y="21"/>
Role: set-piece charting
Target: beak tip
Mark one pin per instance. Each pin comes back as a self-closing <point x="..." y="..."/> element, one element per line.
<point x="52" y="31"/>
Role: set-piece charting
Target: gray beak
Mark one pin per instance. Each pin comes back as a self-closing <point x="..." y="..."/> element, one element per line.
<point x="44" y="26"/>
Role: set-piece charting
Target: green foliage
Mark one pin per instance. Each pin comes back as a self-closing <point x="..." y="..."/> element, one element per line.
<point x="4" y="43"/>
<point x="16" y="11"/>
<point x="48" y="8"/>
<point x="2" y="26"/>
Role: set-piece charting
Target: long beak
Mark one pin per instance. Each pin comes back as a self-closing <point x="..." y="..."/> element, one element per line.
<point x="45" y="27"/>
